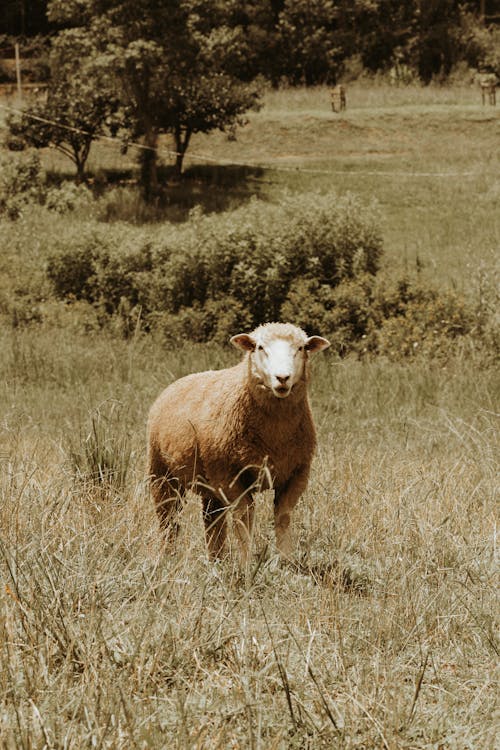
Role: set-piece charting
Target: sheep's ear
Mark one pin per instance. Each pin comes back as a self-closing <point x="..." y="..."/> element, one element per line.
<point x="316" y="344"/>
<point x="243" y="341"/>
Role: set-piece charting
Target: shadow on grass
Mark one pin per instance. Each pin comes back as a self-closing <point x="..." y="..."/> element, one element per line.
<point x="211" y="188"/>
<point x="334" y="575"/>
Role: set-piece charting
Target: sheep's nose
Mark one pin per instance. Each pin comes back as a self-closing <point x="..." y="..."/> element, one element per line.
<point x="283" y="378"/>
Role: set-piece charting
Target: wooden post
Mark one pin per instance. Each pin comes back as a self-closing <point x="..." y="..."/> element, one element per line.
<point x="18" y="71"/>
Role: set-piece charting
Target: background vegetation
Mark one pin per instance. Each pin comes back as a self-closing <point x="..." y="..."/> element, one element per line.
<point x="194" y="66"/>
<point x="310" y="42"/>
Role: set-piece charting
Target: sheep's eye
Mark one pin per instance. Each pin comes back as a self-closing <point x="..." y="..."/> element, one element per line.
<point x="260" y="348"/>
<point x="301" y="348"/>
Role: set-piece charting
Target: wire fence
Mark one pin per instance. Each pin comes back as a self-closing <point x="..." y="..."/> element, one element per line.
<point x="196" y="156"/>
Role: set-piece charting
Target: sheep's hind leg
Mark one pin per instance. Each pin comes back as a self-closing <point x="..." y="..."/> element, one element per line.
<point x="214" y="517"/>
<point x="167" y="496"/>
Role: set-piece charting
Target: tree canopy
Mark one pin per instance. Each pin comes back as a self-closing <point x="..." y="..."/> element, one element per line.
<point x="79" y="106"/>
<point x="171" y="64"/>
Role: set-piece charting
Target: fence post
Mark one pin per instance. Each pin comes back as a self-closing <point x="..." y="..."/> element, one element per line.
<point x="18" y="71"/>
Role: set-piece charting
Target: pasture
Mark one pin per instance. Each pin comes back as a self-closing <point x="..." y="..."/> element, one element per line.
<point x="383" y="632"/>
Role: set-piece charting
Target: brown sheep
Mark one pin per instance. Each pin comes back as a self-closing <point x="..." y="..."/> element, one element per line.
<point x="229" y="433"/>
<point x="338" y="98"/>
<point x="488" y="84"/>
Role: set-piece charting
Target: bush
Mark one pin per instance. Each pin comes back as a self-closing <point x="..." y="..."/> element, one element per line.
<point x="479" y="45"/>
<point x="72" y="272"/>
<point x="312" y="260"/>
<point x="429" y="323"/>
<point x="373" y="316"/>
<point x="22" y="182"/>
<point x="67" y="197"/>
<point x="254" y="255"/>
<point x="217" y="321"/>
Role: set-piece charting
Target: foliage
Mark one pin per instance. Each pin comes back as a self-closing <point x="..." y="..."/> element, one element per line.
<point x="479" y="45"/>
<point x="314" y="259"/>
<point x="375" y="316"/>
<point x="34" y="54"/>
<point x="215" y="321"/>
<point x="433" y="49"/>
<point x="21" y="183"/>
<point x="297" y="40"/>
<point x="67" y="197"/>
<point x="171" y="65"/>
<point x="252" y="255"/>
<point x="78" y="106"/>
<point x="380" y="41"/>
<point x="311" y="41"/>
<point x="22" y="18"/>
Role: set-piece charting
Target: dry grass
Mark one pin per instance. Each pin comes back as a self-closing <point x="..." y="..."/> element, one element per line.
<point x="381" y="634"/>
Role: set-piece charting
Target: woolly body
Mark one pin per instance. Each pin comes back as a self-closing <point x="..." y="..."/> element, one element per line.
<point x="215" y="430"/>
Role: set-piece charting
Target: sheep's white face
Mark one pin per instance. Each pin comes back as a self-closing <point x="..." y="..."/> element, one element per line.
<point x="278" y="361"/>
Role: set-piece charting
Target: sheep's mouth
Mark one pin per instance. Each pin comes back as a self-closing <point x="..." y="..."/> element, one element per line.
<point x="282" y="391"/>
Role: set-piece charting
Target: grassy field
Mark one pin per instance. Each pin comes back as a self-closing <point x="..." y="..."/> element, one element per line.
<point x="429" y="156"/>
<point x="383" y="631"/>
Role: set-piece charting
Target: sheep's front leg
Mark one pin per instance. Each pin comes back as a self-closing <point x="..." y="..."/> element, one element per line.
<point x="214" y="517"/>
<point x="243" y="525"/>
<point x="285" y="500"/>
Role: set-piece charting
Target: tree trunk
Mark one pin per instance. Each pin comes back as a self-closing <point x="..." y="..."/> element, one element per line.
<point x="81" y="154"/>
<point x="149" y="165"/>
<point x="80" y="171"/>
<point x="181" y="144"/>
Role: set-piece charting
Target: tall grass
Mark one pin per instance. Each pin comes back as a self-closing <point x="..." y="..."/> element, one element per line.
<point x="381" y="634"/>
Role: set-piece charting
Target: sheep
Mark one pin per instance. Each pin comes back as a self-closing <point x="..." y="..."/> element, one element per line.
<point x="488" y="83"/>
<point x="227" y="434"/>
<point x="338" y="98"/>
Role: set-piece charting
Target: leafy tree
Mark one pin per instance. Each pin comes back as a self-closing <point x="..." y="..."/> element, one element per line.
<point x="385" y="28"/>
<point x="259" y="46"/>
<point x="307" y="41"/>
<point x="172" y="61"/>
<point x="76" y="110"/>
<point x="26" y="17"/>
<point x="435" y="47"/>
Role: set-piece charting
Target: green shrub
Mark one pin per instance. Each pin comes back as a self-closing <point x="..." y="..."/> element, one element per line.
<point x="67" y="197"/>
<point x="253" y="255"/>
<point x="479" y="44"/>
<point x="217" y="320"/>
<point x="374" y="316"/>
<point x="429" y="324"/>
<point x="71" y="273"/>
<point x="21" y="182"/>
<point x="313" y="259"/>
<point x="98" y="267"/>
